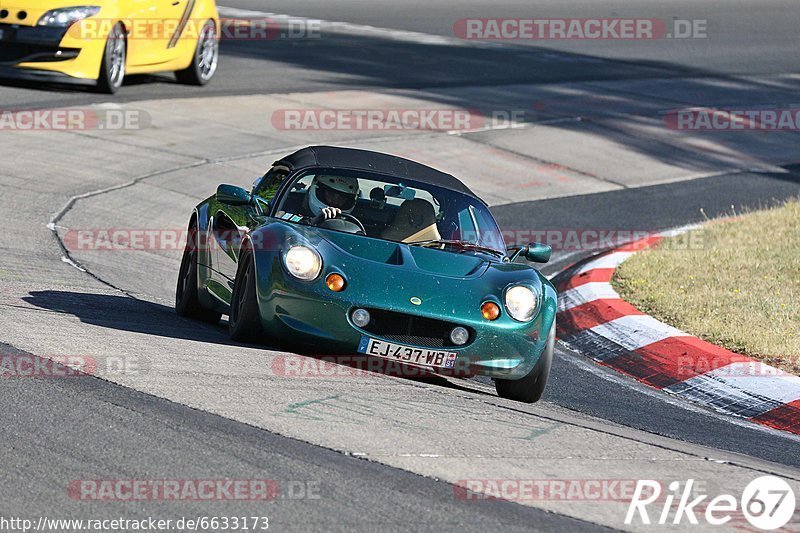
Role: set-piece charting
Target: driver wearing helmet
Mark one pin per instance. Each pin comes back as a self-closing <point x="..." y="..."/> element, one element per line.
<point x="330" y="196"/>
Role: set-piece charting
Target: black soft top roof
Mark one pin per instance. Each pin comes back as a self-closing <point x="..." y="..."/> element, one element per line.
<point x="354" y="159"/>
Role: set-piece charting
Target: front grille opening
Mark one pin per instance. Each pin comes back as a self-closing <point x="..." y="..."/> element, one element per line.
<point x="22" y="53"/>
<point x="414" y="330"/>
<point x="22" y="44"/>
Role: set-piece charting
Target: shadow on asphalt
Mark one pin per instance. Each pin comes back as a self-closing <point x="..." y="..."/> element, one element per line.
<point x="65" y="87"/>
<point x="128" y="314"/>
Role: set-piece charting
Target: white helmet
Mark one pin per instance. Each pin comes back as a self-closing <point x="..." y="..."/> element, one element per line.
<point x="332" y="191"/>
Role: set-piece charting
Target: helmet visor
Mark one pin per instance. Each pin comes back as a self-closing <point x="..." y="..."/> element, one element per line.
<point x="334" y="198"/>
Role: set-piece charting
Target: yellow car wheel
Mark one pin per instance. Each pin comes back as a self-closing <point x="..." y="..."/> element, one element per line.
<point x="112" y="70"/>
<point x="206" y="58"/>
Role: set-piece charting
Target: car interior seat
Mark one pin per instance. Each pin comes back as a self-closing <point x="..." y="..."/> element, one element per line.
<point x="415" y="221"/>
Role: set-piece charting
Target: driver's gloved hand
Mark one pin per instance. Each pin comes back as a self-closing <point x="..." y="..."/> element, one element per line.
<point x="327" y="213"/>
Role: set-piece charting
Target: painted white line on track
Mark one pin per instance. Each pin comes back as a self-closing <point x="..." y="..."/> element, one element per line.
<point x="70" y="262"/>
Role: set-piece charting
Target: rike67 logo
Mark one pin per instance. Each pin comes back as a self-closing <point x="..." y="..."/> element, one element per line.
<point x="767" y="503"/>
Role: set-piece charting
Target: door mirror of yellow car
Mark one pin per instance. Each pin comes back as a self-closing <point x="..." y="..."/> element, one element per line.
<point x="233" y="195"/>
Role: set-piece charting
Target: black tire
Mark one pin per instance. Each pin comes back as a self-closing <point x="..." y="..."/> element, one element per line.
<point x="115" y="57"/>
<point x="187" y="302"/>
<point x="205" y="60"/>
<point x="530" y="388"/>
<point x="244" y="319"/>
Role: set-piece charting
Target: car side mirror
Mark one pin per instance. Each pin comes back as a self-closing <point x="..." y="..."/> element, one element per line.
<point x="537" y="252"/>
<point x="233" y="195"/>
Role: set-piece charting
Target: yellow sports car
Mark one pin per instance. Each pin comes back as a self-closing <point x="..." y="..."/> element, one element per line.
<point x="98" y="44"/>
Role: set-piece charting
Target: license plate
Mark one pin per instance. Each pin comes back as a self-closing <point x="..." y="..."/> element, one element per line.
<point x="407" y="354"/>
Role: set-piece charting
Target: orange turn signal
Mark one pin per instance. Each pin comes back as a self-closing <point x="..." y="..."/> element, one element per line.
<point x="490" y="310"/>
<point x="335" y="282"/>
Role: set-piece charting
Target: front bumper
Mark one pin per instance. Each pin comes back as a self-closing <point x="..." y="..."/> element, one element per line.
<point x="310" y="314"/>
<point x="23" y="44"/>
<point x="47" y="54"/>
<point x="47" y="76"/>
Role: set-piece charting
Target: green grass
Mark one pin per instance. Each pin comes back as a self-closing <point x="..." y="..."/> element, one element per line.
<point x="737" y="285"/>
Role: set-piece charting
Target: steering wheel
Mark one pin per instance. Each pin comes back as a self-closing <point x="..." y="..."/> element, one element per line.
<point x="354" y="220"/>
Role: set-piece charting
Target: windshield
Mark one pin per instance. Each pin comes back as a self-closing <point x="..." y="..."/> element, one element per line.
<point x="399" y="210"/>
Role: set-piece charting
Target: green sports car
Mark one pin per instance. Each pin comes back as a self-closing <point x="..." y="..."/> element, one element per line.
<point x="360" y="252"/>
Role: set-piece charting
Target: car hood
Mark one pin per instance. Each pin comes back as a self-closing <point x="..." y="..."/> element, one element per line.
<point x="438" y="262"/>
<point x="407" y="279"/>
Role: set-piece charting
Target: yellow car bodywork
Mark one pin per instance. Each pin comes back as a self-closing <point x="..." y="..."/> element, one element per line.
<point x="161" y="35"/>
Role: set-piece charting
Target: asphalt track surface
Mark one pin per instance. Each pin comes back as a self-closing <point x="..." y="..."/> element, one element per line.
<point x="45" y="423"/>
<point x="140" y="429"/>
<point x="743" y="38"/>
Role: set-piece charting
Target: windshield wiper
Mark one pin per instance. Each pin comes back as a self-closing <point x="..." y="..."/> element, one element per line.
<point x="465" y="245"/>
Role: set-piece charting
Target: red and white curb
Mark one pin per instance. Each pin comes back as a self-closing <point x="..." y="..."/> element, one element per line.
<point x="595" y="321"/>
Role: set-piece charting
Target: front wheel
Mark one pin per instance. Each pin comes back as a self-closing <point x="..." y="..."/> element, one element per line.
<point x="115" y="57"/>
<point x="244" y="319"/>
<point x="205" y="59"/>
<point x="529" y="389"/>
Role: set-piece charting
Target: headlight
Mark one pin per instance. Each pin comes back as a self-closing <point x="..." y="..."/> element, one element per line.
<point x="302" y="262"/>
<point x="521" y="303"/>
<point x="65" y="16"/>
